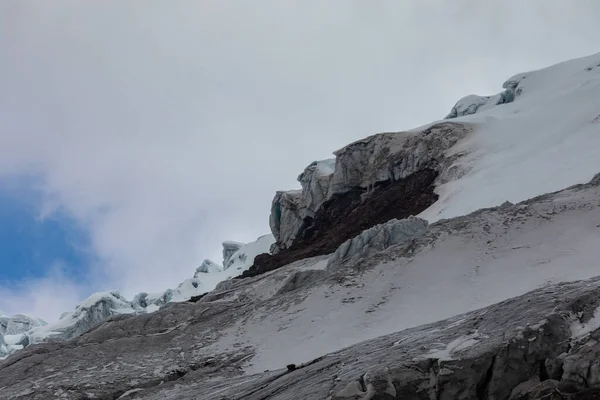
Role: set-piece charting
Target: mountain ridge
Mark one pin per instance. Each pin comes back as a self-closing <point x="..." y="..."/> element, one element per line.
<point x="512" y="214"/>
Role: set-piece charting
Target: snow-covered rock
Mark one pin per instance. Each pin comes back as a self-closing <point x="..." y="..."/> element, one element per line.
<point x="287" y="217"/>
<point x="290" y="208"/>
<point x="229" y="249"/>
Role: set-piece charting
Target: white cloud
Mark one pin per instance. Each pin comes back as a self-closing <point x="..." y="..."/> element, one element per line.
<point x="46" y="297"/>
<point x="166" y="127"/>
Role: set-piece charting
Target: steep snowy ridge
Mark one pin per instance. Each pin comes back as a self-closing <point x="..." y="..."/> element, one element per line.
<point x="461" y="297"/>
<point x="516" y="136"/>
<point x="20" y="330"/>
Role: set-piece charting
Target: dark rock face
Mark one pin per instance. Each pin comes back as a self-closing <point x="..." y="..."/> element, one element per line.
<point x="348" y="214"/>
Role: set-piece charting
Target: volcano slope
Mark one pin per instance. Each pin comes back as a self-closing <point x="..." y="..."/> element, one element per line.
<point x="365" y="326"/>
<point x="471" y="306"/>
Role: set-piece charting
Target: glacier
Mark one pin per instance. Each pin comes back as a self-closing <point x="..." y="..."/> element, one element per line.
<point x="19" y="331"/>
<point x="488" y="289"/>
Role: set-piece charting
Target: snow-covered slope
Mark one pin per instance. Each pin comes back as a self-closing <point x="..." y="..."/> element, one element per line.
<point x="546" y="139"/>
<point x="21" y="330"/>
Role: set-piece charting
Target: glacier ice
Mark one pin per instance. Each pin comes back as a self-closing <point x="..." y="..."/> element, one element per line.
<point x="229" y="249"/>
<point x="21" y="330"/>
<point x="207" y="267"/>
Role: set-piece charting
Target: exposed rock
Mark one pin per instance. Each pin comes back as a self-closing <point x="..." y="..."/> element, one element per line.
<point x="229" y="249"/>
<point x="360" y="166"/>
<point x="287" y="218"/>
<point x="289" y="209"/>
<point x="345" y="216"/>
<point x="315" y="184"/>
<point x="394" y="156"/>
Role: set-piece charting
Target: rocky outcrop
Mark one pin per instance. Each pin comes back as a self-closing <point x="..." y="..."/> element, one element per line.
<point x="361" y="166"/>
<point x="348" y="214"/>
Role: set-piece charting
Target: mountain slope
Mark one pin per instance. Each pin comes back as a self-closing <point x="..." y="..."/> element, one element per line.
<point x="378" y="276"/>
<point x="313" y="307"/>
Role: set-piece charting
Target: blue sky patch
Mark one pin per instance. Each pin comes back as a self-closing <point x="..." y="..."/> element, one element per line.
<point x="30" y="246"/>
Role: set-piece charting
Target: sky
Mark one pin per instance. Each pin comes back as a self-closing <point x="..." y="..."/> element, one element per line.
<point x="137" y="136"/>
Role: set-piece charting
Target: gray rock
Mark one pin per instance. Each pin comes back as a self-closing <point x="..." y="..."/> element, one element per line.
<point x="287" y="218"/>
<point x="393" y="156"/>
<point x="363" y="164"/>
<point x="315" y="184"/>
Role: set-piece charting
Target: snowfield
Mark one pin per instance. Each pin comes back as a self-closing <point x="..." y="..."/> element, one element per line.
<point x="547" y="139"/>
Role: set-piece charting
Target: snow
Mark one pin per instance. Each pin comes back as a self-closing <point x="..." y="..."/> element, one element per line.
<point x="547" y="139"/>
<point x="460" y="273"/>
<point x="243" y="259"/>
<point x="580" y="330"/>
<point x="325" y="167"/>
<point x="99" y="306"/>
<point x="461" y="343"/>
<point x="187" y="289"/>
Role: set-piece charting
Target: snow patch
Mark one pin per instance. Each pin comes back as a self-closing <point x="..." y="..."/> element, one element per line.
<point x="580" y="330"/>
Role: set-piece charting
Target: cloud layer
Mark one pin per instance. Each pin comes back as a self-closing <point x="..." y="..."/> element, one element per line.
<point x="166" y="127"/>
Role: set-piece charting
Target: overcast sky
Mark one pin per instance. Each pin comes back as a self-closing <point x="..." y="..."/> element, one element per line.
<point x="151" y="131"/>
